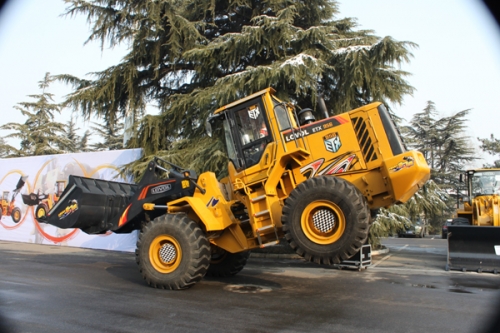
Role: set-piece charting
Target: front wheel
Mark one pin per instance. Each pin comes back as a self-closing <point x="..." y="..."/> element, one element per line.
<point x="16" y="214"/>
<point x="225" y="264"/>
<point x="172" y="252"/>
<point x="326" y="220"/>
<point x="41" y="211"/>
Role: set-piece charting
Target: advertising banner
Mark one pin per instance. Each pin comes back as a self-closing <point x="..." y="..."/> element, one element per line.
<point x="30" y="185"/>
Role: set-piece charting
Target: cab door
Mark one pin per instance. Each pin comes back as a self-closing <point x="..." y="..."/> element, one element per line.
<point x="250" y="131"/>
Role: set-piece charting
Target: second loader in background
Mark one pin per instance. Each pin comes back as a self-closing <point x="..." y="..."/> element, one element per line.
<point x="318" y="184"/>
<point x="474" y="235"/>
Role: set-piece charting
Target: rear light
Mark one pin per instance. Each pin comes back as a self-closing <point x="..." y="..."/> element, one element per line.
<point x="445" y="227"/>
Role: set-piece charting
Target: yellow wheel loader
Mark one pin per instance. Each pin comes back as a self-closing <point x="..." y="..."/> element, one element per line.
<point x="8" y="207"/>
<point x="316" y="183"/>
<point x="474" y="235"/>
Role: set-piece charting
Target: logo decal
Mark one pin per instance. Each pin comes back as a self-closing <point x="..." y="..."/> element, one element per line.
<point x="213" y="202"/>
<point x="316" y="127"/>
<point x="296" y="135"/>
<point x="185" y="183"/>
<point x="254" y="114"/>
<point x="407" y="162"/>
<point x="332" y="142"/>
<point x="161" y="189"/>
<point x="70" y="209"/>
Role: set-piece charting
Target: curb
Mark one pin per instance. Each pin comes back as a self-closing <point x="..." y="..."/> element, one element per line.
<point x="380" y="252"/>
<point x="261" y="253"/>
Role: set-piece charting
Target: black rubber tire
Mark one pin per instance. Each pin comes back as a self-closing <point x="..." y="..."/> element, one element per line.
<point x="16" y="214"/>
<point x="225" y="264"/>
<point x="190" y="242"/>
<point x="348" y="201"/>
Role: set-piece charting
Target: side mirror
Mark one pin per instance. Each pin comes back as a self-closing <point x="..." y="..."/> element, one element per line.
<point x="210" y="120"/>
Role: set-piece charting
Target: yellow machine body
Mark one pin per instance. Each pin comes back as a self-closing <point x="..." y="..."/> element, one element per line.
<point x="483" y="205"/>
<point x="267" y="163"/>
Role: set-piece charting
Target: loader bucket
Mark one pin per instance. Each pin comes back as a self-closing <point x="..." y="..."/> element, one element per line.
<point x="30" y="199"/>
<point x="97" y="201"/>
<point x="474" y="248"/>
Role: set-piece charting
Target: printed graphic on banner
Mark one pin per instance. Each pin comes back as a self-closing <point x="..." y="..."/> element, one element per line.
<point x="406" y="163"/>
<point x="70" y="209"/>
<point x="32" y="186"/>
<point x="332" y="142"/>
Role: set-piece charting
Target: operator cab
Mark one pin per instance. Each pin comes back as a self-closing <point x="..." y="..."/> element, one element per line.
<point x="483" y="182"/>
<point x="247" y="129"/>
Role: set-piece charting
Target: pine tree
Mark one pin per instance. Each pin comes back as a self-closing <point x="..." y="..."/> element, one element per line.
<point x="83" y="144"/>
<point x="4" y="148"/>
<point x="112" y="135"/>
<point x="71" y="134"/>
<point x="190" y="57"/>
<point x="447" y="149"/>
<point x="491" y="145"/>
<point x="443" y="143"/>
<point x="40" y="134"/>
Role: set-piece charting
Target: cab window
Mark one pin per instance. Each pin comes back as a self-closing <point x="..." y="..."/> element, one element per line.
<point x="253" y="131"/>
<point x="281" y="115"/>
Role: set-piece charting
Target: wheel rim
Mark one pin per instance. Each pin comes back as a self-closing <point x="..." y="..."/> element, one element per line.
<point x="17" y="215"/>
<point x="323" y="222"/>
<point x="165" y="254"/>
<point x="40" y="212"/>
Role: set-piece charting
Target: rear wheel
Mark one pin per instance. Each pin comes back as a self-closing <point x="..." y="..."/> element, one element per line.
<point x="172" y="252"/>
<point x="16" y="215"/>
<point x="326" y="220"/>
<point x="225" y="264"/>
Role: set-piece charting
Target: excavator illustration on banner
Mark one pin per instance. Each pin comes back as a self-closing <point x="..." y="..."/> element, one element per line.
<point x="44" y="201"/>
<point x="8" y="207"/>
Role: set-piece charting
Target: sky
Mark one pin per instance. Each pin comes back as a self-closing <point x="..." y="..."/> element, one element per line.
<point x="456" y="65"/>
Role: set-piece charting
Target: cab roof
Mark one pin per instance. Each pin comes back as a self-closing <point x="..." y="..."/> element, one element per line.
<point x="245" y="99"/>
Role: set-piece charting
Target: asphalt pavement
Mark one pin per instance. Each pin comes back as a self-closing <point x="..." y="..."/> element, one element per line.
<point x="59" y="289"/>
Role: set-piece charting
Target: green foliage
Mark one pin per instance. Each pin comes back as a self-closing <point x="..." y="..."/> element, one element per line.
<point x="491" y="145"/>
<point x="446" y="149"/>
<point x="430" y="201"/>
<point x="4" y="148"/>
<point x="111" y="134"/>
<point x="443" y="143"/>
<point x="83" y="145"/>
<point x="40" y="134"/>
<point x="189" y="58"/>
